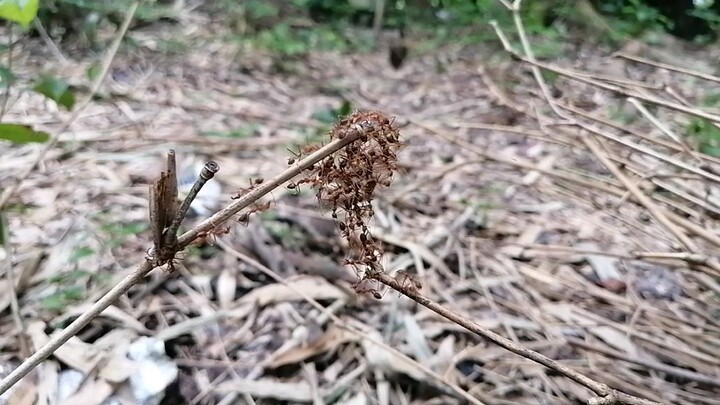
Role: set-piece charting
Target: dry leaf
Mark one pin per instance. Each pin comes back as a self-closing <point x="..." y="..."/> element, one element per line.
<point x="329" y="341"/>
<point x="267" y="388"/>
<point x="315" y="287"/>
<point x="75" y="353"/>
<point x="381" y="358"/>
<point x="23" y="393"/>
<point x="416" y="339"/>
<point x="111" y="312"/>
<point x="93" y="392"/>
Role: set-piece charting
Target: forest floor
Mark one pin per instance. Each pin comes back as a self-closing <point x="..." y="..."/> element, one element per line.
<point x="586" y="229"/>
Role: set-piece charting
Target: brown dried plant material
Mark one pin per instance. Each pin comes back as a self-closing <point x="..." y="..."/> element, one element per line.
<point x="163" y="203"/>
<point x="348" y="180"/>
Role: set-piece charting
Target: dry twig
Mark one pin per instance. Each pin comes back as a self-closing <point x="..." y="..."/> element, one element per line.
<point x="356" y="132"/>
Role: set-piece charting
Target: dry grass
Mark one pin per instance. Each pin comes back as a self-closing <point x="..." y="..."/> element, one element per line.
<point x="551" y="221"/>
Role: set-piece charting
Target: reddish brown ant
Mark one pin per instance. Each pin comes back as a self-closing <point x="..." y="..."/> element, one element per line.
<point x="363" y="287"/>
<point x="244" y="218"/>
<point x="245" y="190"/>
<point x="308" y="149"/>
<point x="210" y="237"/>
<point x="408" y="281"/>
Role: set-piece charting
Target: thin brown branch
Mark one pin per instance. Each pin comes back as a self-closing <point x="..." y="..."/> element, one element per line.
<point x="665" y="66"/>
<point x="604" y="392"/>
<point x="593" y="146"/>
<point x="663" y="368"/>
<point x="146" y="265"/>
<point x="58" y="340"/>
<point x="351" y="328"/>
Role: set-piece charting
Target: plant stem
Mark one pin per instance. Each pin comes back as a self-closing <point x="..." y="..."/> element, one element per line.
<point x="146" y="266"/>
<point x="602" y="390"/>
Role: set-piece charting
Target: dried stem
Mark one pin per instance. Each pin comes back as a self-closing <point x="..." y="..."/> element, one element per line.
<point x="606" y="394"/>
<point x="266" y="187"/>
<point x="593" y="146"/>
<point x="188" y="237"/>
<point x="58" y="340"/>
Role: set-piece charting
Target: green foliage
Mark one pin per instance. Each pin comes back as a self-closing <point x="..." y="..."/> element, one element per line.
<point x="64" y="19"/>
<point x="331" y="115"/>
<point x="708" y="15"/>
<point x="3" y="228"/>
<point x="118" y="233"/>
<point x="7" y="77"/>
<point x="706" y="134"/>
<point x="23" y="12"/>
<point x="632" y="17"/>
<point x="63" y="297"/>
<point x="246" y="131"/>
<point x="81" y="253"/>
<point x="17" y="133"/>
<point x="55" y="89"/>
<point x="19" y="11"/>
<point x="71" y="287"/>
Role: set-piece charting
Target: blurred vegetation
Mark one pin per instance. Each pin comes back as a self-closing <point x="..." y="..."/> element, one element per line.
<point x="297" y="27"/>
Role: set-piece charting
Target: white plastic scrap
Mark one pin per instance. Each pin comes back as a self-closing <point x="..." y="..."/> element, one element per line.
<point x="207" y="199"/>
<point x="68" y="382"/>
<point x="154" y="371"/>
<point x="5" y="369"/>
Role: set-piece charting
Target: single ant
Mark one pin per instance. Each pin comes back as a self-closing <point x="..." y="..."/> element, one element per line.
<point x="244" y="218"/>
<point x="245" y="190"/>
<point x="210" y="237"/>
<point x="408" y="281"/>
<point x="364" y="287"/>
<point x="308" y="149"/>
<point x="295" y="187"/>
<point x="295" y="156"/>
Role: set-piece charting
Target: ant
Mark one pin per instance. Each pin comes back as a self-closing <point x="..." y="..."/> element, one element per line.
<point x="295" y="187"/>
<point x="244" y="218"/>
<point x="408" y="281"/>
<point x="308" y="149"/>
<point x="210" y="237"/>
<point x="363" y="287"/>
<point x="245" y="190"/>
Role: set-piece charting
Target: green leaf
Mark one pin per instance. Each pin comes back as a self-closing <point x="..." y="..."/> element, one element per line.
<point x="62" y="298"/>
<point x="3" y="225"/>
<point x="7" y="77"/>
<point x="710" y="149"/>
<point x="80" y="253"/>
<point x="326" y="116"/>
<point x="56" y="90"/>
<point x="68" y="276"/>
<point x="19" y="11"/>
<point x="93" y="72"/>
<point x="345" y="109"/>
<point x="17" y="133"/>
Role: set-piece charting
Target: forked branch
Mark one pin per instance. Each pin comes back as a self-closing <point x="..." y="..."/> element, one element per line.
<point x="358" y="131"/>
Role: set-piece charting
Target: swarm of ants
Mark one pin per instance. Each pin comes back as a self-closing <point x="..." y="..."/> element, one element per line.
<point x="347" y="181"/>
<point x="255" y="207"/>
